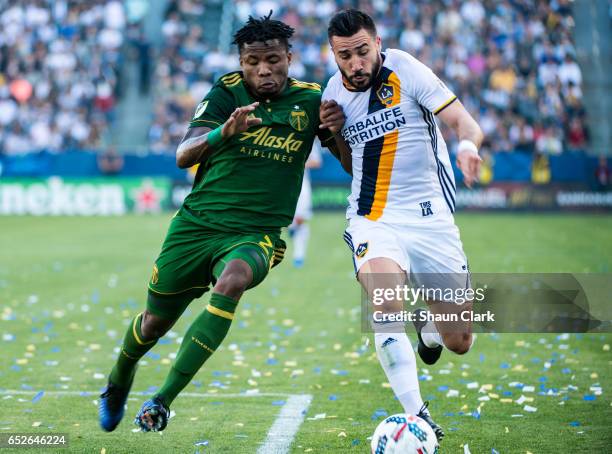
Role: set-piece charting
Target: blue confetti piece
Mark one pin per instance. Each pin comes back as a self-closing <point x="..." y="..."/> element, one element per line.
<point x="28" y="387"/>
<point x="341" y="372"/>
<point x="15" y="367"/>
<point x="38" y="396"/>
<point x="278" y="403"/>
<point x="536" y="360"/>
<point x="589" y="397"/>
<point x="202" y="443"/>
<point x="164" y="341"/>
<point x="482" y="357"/>
<point x="317" y="370"/>
<point x="333" y="397"/>
<point x="504" y="366"/>
<point x="271" y="361"/>
<point x="355" y="442"/>
<point x="55" y="350"/>
<point x="84" y="394"/>
<point x="380" y="413"/>
<point x="442" y="388"/>
<point x="566" y="370"/>
<point x="574" y="424"/>
<point x="449" y="414"/>
<point x="542" y="379"/>
<point x="494" y="451"/>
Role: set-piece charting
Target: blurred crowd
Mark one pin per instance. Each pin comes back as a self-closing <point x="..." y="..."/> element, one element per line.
<point x="511" y="62"/>
<point x="58" y="72"/>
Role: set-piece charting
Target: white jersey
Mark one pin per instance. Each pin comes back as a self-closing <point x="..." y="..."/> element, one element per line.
<point x="401" y="168"/>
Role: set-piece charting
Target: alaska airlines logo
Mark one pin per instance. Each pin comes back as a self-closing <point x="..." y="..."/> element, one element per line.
<point x="374" y="125"/>
<point x="263" y="137"/>
<point x="385" y="94"/>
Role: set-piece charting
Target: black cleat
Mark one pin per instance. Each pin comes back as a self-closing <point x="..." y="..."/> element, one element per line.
<point x="429" y="355"/>
<point x="425" y="416"/>
<point x="153" y="416"/>
<point x="112" y="406"/>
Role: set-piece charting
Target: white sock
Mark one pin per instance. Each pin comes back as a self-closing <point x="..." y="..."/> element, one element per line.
<point x="301" y="234"/>
<point x="397" y="359"/>
<point x="430" y="335"/>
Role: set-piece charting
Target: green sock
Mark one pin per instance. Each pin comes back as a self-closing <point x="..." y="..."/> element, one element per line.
<point x="132" y="350"/>
<point x="201" y="340"/>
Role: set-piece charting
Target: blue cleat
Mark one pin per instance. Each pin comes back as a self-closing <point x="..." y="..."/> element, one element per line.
<point x="153" y="416"/>
<point x="112" y="406"/>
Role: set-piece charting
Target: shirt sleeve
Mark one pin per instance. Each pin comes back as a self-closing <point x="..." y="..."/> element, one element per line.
<point x="426" y="87"/>
<point x="215" y="108"/>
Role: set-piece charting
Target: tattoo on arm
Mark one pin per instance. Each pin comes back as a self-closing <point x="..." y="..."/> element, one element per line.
<point x="193" y="148"/>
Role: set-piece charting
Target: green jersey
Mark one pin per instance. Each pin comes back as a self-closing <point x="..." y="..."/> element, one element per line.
<point x="252" y="181"/>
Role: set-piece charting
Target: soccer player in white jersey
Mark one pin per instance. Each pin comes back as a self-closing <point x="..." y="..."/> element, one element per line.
<point x="402" y="200"/>
<point x="299" y="228"/>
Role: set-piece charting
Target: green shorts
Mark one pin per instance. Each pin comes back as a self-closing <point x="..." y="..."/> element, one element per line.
<point x="184" y="268"/>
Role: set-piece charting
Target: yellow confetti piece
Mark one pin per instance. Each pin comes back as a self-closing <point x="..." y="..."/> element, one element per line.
<point x="464" y="374"/>
<point x="519" y="368"/>
<point x="606" y="347"/>
<point x="288" y="322"/>
<point x="505" y="401"/>
<point x="31" y="348"/>
<point x="486" y="387"/>
<point x="290" y="363"/>
<point x="94" y="346"/>
<point x="165" y="361"/>
<point x="22" y="361"/>
<point x="594" y="375"/>
<point x="507" y="430"/>
<point x="385" y="385"/>
<point x="342" y="434"/>
<point x="309" y="350"/>
<point x="343" y="383"/>
<point x="308" y="450"/>
<point x="76" y="424"/>
<point x="465" y="407"/>
<point x="337" y="347"/>
<point x="251" y="382"/>
<point x="194" y="418"/>
<point x="103" y="451"/>
<point x="73" y="326"/>
<point x="519" y="343"/>
<point x="239" y="424"/>
<point x="494" y="396"/>
<point x="36" y="424"/>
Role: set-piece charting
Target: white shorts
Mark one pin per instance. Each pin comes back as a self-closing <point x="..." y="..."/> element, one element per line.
<point x="303" y="210"/>
<point x="429" y="251"/>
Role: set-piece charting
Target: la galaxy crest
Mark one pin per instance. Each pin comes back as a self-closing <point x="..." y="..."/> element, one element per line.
<point x="298" y="118"/>
<point x="361" y="250"/>
<point x="385" y="93"/>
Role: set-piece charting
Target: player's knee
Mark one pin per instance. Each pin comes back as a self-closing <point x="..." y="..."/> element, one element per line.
<point x="459" y="344"/>
<point x="234" y="280"/>
<point x="153" y="327"/>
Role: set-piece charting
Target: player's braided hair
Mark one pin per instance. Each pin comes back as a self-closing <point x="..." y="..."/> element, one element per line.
<point x="263" y="29"/>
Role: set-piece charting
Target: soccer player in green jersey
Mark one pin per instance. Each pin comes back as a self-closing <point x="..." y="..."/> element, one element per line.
<point x="251" y="136"/>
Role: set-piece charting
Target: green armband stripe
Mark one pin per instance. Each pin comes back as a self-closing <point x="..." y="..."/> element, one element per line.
<point x="214" y="137"/>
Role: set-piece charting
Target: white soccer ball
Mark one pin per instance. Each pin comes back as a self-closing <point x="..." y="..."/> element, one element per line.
<point x="404" y="434"/>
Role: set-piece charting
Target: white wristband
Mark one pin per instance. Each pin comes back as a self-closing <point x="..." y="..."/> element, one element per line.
<point x="467" y="145"/>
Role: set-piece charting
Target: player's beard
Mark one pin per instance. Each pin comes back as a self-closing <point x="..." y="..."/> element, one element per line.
<point x="369" y="77"/>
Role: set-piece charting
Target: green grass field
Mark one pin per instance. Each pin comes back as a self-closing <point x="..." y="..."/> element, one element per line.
<point x="70" y="286"/>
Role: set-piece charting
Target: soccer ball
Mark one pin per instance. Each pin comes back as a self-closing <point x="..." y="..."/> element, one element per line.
<point x="404" y="434"/>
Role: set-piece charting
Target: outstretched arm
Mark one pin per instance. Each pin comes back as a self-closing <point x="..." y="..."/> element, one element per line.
<point x="200" y="142"/>
<point x="470" y="136"/>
